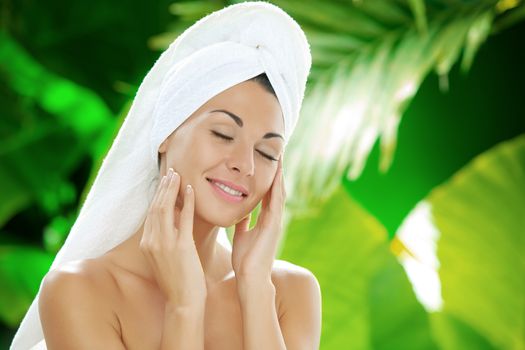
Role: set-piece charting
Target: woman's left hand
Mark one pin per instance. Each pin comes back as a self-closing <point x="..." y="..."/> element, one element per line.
<point x="253" y="251"/>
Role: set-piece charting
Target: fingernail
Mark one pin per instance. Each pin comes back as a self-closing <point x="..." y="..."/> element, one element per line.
<point x="188" y="188"/>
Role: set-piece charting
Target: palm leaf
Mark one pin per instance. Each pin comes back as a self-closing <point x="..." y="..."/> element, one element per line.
<point x="469" y="236"/>
<point x="360" y="96"/>
<point x="367" y="299"/>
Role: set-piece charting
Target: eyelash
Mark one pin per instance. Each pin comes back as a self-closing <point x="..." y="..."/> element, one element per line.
<point x="227" y="138"/>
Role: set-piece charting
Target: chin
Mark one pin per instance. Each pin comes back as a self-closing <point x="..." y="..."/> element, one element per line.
<point x="220" y="221"/>
<point x="216" y="216"/>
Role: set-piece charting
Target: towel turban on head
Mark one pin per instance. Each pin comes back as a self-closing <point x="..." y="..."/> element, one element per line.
<point x="221" y="50"/>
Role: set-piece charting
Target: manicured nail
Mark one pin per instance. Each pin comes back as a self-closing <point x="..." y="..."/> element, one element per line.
<point x="188" y="189"/>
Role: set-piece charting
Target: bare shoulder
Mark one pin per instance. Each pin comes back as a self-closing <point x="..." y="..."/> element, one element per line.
<point x="293" y="281"/>
<point x="79" y="268"/>
<point x="87" y="278"/>
<point x="284" y="272"/>
<point x="74" y="307"/>
<point x="299" y="305"/>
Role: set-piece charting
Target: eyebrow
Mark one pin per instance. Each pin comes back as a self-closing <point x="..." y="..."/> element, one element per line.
<point x="239" y="122"/>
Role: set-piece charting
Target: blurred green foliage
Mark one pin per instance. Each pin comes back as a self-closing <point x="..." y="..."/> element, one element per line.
<point x="69" y="70"/>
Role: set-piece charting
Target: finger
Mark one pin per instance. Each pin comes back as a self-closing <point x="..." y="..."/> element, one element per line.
<point x="283" y="183"/>
<point x="276" y="198"/>
<point x="266" y="198"/>
<point x="157" y="192"/>
<point x="150" y="238"/>
<point x="162" y="192"/>
<point x="264" y="208"/>
<point x="144" y="240"/>
<point x="186" y="215"/>
<point x="161" y="229"/>
<point x="244" y="224"/>
<point x="170" y="198"/>
<point x="153" y="208"/>
<point x="269" y="197"/>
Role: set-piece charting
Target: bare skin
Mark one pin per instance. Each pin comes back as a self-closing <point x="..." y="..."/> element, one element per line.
<point x="124" y="305"/>
<point x="139" y="304"/>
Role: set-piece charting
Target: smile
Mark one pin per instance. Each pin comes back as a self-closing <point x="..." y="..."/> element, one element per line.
<point x="226" y="193"/>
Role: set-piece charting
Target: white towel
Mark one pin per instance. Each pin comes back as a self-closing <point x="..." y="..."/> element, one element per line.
<point x="223" y="49"/>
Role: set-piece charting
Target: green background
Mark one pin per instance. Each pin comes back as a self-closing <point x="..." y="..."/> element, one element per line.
<point x="69" y="70"/>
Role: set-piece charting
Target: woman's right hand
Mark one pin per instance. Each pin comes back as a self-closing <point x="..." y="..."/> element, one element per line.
<point x="171" y="251"/>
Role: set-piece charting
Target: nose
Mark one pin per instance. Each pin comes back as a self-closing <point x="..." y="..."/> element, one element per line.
<point x="241" y="159"/>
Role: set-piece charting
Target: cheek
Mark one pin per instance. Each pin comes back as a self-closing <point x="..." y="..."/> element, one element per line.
<point x="263" y="188"/>
<point x="187" y="154"/>
<point x="188" y="162"/>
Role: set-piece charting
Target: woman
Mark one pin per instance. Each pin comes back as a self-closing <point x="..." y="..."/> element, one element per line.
<point x="201" y="146"/>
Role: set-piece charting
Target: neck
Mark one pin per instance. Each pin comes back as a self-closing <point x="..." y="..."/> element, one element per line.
<point x="213" y="256"/>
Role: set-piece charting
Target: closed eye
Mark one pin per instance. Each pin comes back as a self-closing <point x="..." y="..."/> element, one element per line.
<point x="222" y="136"/>
<point x="229" y="139"/>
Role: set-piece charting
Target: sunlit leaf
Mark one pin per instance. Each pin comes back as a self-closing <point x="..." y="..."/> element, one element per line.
<point x="477" y="251"/>
<point x="361" y="96"/>
<point x="367" y="299"/>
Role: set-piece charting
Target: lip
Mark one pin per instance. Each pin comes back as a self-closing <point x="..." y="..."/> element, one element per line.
<point x="230" y="184"/>
<point x="226" y="196"/>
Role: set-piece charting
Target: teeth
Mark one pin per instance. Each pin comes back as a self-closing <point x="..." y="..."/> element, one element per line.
<point x="229" y="190"/>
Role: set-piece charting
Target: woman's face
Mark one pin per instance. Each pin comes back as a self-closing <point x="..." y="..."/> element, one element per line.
<point x="241" y="149"/>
